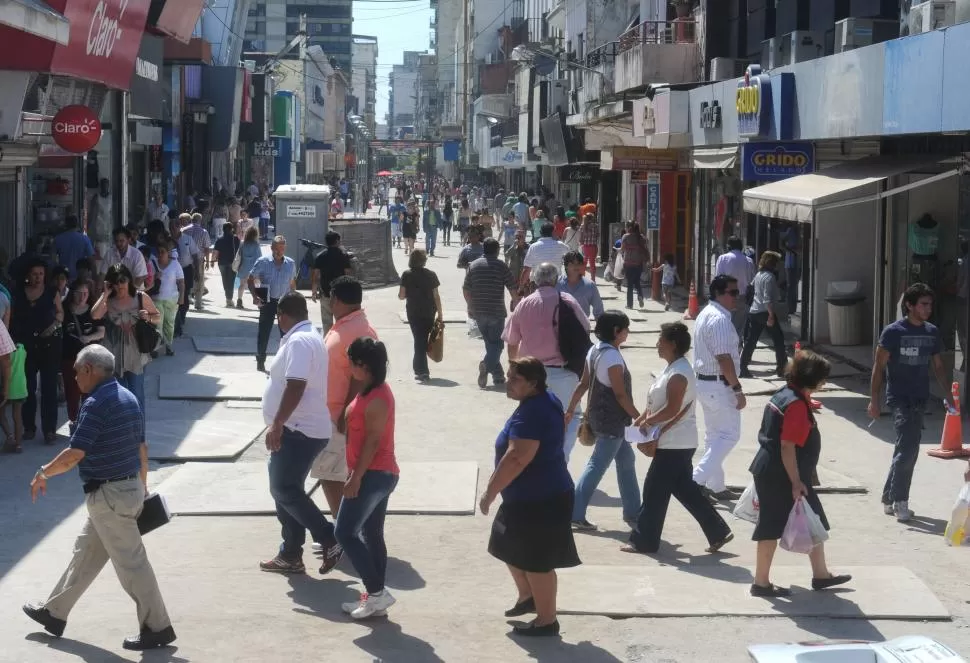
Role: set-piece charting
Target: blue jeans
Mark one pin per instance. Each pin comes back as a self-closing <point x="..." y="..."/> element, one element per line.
<point x="297" y="513"/>
<point x="431" y="239"/>
<point x="632" y="277"/>
<point x="607" y="450"/>
<point x="908" y="422"/>
<point x="360" y="528"/>
<point x="491" y="329"/>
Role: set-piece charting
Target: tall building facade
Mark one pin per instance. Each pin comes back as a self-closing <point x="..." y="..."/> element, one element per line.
<point x="403" y="95"/>
<point x="364" y="79"/>
<point x="271" y="26"/>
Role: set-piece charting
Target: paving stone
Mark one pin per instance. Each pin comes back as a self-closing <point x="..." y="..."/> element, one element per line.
<point x="211" y="387"/>
<point x="231" y="345"/>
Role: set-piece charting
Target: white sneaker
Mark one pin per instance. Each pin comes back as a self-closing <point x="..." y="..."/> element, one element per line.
<point x="887" y="509"/>
<point x="903" y="512"/>
<point x="373" y="605"/>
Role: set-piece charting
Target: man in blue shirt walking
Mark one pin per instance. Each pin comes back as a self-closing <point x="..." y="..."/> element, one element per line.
<point x="432" y="221"/>
<point x="907" y="348"/>
<point x="72" y="245"/>
<point x="107" y="446"/>
<point x="277" y="276"/>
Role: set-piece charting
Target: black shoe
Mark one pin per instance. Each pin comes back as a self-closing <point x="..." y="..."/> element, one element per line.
<point x="532" y="631"/>
<point x="725" y="495"/>
<point x="825" y="583"/>
<point x="482" y="375"/>
<point x="331" y="557"/>
<point x="714" y="547"/>
<point x="745" y="374"/>
<point x="42" y="616"/>
<point x="261" y="365"/>
<point x="769" y="592"/>
<point x="149" y="639"/>
<point x="522" y="608"/>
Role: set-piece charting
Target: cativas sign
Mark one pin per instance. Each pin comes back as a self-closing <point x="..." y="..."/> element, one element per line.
<point x="76" y="129"/>
<point x="653" y="201"/>
<point x="754" y="103"/>
<point x="769" y="162"/>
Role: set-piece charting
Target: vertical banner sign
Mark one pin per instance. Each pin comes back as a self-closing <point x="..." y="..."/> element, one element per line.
<point x="653" y="201"/>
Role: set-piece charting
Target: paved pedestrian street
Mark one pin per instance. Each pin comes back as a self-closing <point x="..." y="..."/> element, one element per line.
<point x="450" y="593"/>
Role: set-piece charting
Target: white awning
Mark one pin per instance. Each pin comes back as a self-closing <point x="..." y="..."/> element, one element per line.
<point x="708" y="158"/>
<point x="36" y="18"/>
<point x="798" y="198"/>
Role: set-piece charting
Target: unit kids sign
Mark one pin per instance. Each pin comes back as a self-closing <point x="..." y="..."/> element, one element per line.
<point x="76" y="129"/>
<point x="754" y="103"/>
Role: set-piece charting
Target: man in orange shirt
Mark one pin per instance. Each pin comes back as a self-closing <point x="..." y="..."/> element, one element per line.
<point x="350" y="323"/>
<point x="588" y="207"/>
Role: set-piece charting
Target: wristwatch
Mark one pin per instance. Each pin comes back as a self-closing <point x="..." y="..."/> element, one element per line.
<point x="41" y="474"/>
<point x="736" y="388"/>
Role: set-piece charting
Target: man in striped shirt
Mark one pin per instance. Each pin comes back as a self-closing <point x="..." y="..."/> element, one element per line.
<point x="545" y="249"/>
<point x="484" y="289"/>
<point x="716" y="363"/>
<point x="196" y="230"/>
<point x="107" y="446"/>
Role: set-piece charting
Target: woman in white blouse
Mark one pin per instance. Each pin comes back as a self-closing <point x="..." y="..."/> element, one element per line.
<point x="670" y="405"/>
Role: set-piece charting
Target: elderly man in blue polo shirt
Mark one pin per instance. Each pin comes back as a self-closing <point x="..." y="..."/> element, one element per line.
<point x="108" y="449"/>
<point x="276" y="275"/>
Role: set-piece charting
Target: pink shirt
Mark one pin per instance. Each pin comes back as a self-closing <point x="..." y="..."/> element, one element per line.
<point x="345" y="331"/>
<point x="530" y="325"/>
<point x="383" y="460"/>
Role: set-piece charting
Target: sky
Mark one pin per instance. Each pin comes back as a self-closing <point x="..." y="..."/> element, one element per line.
<point x="399" y="25"/>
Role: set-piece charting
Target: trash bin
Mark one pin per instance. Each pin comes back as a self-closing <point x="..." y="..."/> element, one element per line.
<point x="846" y="306"/>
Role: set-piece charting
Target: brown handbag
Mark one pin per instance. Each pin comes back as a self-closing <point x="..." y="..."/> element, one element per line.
<point x="436" y="342"/>
<point x="649" y="449"/>
<point x="586" y="436"/>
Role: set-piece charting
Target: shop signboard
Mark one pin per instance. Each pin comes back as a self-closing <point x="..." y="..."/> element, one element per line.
<point x="653" y="201"/>
<point x="578" y="174"/>
<point x="265" y="149"/>
<point x="76" y="129"/>
<point x="146" y="89"/>
<point x="176" y="18"/>
<point x="769" y="162"/>
<point x="754" y="103"/>
<point x="710" y="115"/>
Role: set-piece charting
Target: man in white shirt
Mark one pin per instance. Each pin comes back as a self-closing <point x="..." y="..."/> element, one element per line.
<point x="545" y="249"/>
<point x="190" y="258"/>
<point x="716" y="363"/>
<point x="126" y="254"/>
<point x="741" y="268"/>
<point x="299" y="428"/>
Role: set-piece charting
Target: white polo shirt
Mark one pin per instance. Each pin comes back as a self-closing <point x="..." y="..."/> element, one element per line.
<point x="714" y="335"/>
<point x="546" y="249"/>
<point x="301" y="356"/>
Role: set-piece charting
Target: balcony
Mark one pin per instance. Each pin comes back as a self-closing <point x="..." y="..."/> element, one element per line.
<point x="597" y="80"/>
<point x="657" y="52"/>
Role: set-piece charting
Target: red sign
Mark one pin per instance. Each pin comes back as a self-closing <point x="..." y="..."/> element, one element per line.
<point x="105" y="38"/>
<point x="76" y="129"/>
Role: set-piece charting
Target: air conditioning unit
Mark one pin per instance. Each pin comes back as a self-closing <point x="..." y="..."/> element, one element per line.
<point x="489" y="58"/>
<point x="932" y="15"/>
<point x="723" y="69"/>
<point x="771" y="53"/>
<point x="852" y="33"/>
<point x="558" y="100"/>
<point x="801" y="46"/>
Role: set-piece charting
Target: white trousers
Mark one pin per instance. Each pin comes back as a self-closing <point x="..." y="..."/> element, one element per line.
<point x="722" y="423"/>
<point x="562" y="383"/>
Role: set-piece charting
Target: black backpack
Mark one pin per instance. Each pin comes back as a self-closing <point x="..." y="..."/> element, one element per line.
<point x="573" y="338"/>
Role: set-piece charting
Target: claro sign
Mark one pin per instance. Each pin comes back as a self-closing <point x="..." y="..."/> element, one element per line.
<point x="105" y="38"/>
<point x="76" y="129"/>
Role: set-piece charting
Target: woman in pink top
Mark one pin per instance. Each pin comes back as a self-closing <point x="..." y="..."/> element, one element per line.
<point x="373" y="476"/>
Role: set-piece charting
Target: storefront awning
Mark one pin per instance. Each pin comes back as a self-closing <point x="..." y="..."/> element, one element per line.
<point x="36" y="18"/>
<point x="798" y="198"/>
<point x="709" y="158"/>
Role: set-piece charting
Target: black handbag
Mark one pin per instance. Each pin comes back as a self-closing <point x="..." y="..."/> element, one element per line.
<point x="573" y="338"/>
<point x="147" y="336"/>
<point x="154" y="514"/>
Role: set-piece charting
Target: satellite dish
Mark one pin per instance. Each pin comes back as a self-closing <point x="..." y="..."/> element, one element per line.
<point x="544" y="65"/>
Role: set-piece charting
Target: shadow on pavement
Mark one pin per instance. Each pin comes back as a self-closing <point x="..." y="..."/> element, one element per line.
<point x="846" y="627"/>
<point x="94" y="654"/>
<point x="387" y="642"/>
<point x="400" y="574"/>
<point x="554" y="650"/>
<point x="927" y="525"/>
<point x="321" y="597"/>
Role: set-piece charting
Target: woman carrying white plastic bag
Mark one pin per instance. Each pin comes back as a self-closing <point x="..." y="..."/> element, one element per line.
<point x="747" y="507"/>
<point x="790" y="446"/>
<point x="958" y="529"/>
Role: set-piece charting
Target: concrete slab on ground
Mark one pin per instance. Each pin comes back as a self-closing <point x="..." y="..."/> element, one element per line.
<point x="244" y="405"/>
<point x="210" y="387"/>
<point x="832" y="482"/>
<point x="230" y="345"/>
<point x="242" y="489"/>
<point x="236" y="489"/>
<point x="875" y="592"/>
<point x="450" y="316"/>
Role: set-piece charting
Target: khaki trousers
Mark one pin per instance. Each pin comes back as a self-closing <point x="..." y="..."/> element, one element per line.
<point x="111" y="533"/>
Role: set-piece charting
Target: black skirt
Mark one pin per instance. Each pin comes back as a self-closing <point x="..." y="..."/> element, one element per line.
<point x="775" y="504"/>
<point x="535" y="536"/>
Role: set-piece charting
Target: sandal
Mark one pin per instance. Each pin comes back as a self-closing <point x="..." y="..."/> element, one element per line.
<point x="11" y="447"/>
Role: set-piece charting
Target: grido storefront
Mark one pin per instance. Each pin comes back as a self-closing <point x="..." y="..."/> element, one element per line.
<point x="81" y="156"/>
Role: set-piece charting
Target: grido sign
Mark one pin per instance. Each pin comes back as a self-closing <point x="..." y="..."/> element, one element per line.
<point x="769" y="162"/>
<point x="754" y="103"/>
<point x="76" y="129"/>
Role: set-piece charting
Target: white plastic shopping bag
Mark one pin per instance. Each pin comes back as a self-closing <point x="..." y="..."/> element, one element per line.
<point x="748" y="507"/>
<point x="958" y="529"/>
<point x="797" y="537"/>
<point x="815" y="526"/>
<point x="618" y="266"/>
<point x="473" y="330"/>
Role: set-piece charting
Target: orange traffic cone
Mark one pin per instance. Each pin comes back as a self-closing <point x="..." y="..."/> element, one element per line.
<point x="951" y="444"/>
<point x="693" y="308"/>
